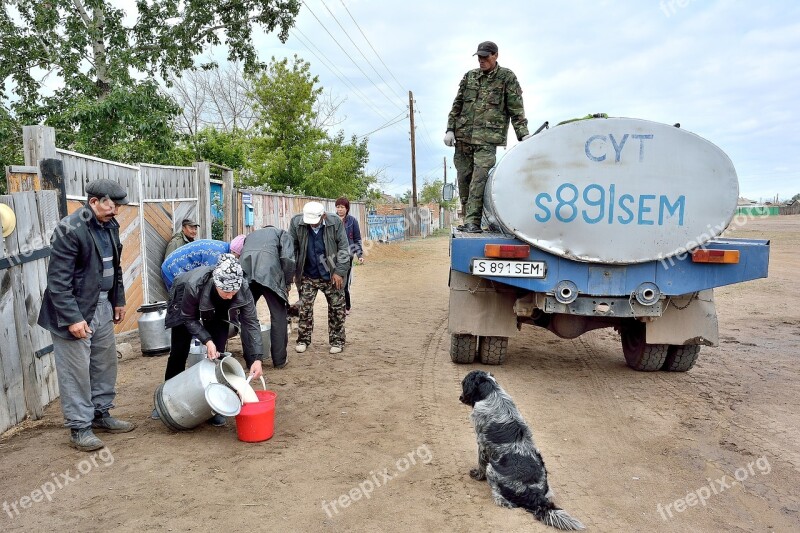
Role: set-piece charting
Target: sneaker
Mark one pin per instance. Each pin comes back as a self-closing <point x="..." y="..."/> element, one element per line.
<point x="112" y="425"/>
<point x="300" y="347"/>
<point x="154" y="415"/>
<point x="336" y="349"/>
<point x="84" y="440"/>
<point x="346" y="312"/>
<point x="278" y="367"/>
<point x="217" y="420"/>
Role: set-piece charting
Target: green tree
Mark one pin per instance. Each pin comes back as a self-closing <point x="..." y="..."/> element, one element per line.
<point x="228" y="149"/>
<point x="291" y="151"/>
<point x="132" y="123"/>
<point x="86" y="48"/>
<point x="432" y="193"/>
<point x="796" y="197"/>
<point x="10" y="143"/>
<point x="405" y="198"/>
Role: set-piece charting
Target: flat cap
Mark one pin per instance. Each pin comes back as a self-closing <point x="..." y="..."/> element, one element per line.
<point x="312" y="212"/>
<point x="486" y="48"/>
<point x="104" y="188"/>
<point x="189" y="222"/>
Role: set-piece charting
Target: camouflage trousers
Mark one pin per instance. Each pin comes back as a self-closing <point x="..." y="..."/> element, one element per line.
<point x="308" y="293"/>
<point x="473" y="162"/>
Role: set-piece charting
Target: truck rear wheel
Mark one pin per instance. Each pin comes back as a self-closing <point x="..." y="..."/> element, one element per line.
<point x="463" y="348"/>
<point x="681" y="358"/>
<point x="638" y="354"/>
<point x="493" y="350"/>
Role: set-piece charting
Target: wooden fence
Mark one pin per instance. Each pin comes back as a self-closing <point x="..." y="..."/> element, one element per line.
<point x="27" y="367"/>
<point x="160" y="197"/>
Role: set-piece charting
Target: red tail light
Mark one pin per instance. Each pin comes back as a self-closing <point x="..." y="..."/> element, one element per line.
<point x="507" y="251"/>
<point x="715" y="256"/>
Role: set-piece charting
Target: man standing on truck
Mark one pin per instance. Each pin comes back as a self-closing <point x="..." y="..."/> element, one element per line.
<point x="488" y="99"/>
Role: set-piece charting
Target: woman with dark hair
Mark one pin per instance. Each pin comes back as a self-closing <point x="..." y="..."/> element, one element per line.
<point x="354" y="238"/>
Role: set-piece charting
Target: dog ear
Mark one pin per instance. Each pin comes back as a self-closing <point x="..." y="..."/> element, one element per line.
<point x="476" y="386"/>
<point x="485" y="387"/>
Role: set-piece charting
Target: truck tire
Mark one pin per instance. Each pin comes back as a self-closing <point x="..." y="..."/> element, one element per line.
<point x="681" y="358"/>
<point x="463" y="348"/>
<point x="638" y="354"/>
<point x="493" y="350"/>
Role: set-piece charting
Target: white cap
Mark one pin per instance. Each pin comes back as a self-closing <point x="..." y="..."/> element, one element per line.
<point x="312" y="212"/>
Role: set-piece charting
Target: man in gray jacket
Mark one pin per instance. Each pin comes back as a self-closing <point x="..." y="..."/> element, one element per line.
<point x="322" y="257"/>
<point x="267" y="259"/>
<point x="85" y="297"/>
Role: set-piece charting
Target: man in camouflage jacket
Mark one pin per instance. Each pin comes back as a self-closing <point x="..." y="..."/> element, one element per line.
<point x="488" y="99"/>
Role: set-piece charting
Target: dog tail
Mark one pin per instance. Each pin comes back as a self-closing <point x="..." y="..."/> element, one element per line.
<point x="541" y="507"/>
<point x="557" y="518"/>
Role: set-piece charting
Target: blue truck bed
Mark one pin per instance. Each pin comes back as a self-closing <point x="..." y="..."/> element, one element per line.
<point x="674" y="276"/>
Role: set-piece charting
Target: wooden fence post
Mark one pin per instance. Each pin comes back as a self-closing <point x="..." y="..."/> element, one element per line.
<point x="52" y="173"/>
<point x="204" y="198"/>
<point x="38" y="142"/>
<point x="228" y="196"/>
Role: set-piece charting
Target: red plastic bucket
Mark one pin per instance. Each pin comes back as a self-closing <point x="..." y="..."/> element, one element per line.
<point x="256" y="421"/>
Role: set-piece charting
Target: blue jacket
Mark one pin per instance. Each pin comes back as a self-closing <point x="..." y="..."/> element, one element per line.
<point x="204" y="252"/>
<point x="353" y="235"/>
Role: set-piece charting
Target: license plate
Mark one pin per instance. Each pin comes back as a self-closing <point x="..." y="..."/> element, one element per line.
<point x="511" y="269"/>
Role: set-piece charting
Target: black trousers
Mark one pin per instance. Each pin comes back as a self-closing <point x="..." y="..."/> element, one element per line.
<point x="182" y="340"/>
<point x="347" y="283"/>
<point x="278" y="335"/>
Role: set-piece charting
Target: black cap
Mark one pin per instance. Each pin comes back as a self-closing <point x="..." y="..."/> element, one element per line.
<point x="486" y="48"/>
<point x="104" y="188"/>
<point x="189" y="222"/>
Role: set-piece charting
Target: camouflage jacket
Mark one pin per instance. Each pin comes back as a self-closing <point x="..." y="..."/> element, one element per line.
<point x="484" y="105"/>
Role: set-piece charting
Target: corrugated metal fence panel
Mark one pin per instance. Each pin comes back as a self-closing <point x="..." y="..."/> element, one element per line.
<point x="80" y="169"/>
<point x="758" y="210"/>
<point x="386" y="228"/>
<point x="278" y="209"/>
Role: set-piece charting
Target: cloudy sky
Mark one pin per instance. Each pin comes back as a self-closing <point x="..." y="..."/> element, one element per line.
<point x="726" y="70"/>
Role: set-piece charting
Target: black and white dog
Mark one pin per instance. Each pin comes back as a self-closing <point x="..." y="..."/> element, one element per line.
<point x="507" y="457"/>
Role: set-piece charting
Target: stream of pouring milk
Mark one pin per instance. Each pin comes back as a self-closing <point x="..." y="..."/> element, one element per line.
<point x="246" y="392"/>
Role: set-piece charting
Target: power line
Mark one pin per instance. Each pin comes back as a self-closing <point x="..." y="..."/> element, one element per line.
<point x="359" y="49"/>
<point x="395" y="121"/>
<point x="348" y="56"/>
<point x="334" y="71"/>
<point x="370" y="45"/>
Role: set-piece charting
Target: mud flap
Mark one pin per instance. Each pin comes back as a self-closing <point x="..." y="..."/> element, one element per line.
<point x="686" y="320"/>
<point x="481" y="307"/>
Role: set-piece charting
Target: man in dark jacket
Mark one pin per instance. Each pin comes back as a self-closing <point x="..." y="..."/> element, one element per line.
<point x="322" y="261"/>
<point x="203" y="303"/>
<point x="85" y="297"/>
<point x="268" y="263"/>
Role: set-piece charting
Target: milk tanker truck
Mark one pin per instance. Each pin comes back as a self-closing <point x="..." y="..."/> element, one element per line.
<point x="602" y="223"/>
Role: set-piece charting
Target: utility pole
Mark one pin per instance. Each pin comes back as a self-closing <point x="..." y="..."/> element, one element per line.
<point x="413" y="152"/>
<point x="441" y="207"/>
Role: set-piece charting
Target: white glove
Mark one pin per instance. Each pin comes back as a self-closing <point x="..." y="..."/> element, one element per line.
<point x="528" y="136"/>
<point x="450" y="139"/>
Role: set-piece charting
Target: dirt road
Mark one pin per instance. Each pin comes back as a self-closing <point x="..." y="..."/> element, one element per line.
<point x="375" y="438"/>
